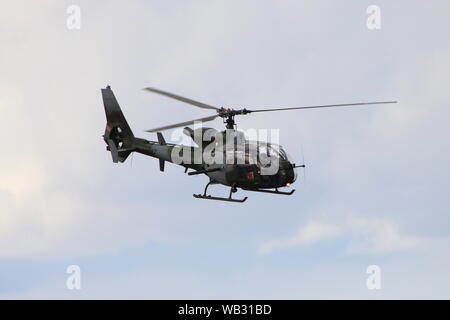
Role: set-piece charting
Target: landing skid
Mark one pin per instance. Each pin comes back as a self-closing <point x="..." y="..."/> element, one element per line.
<point x="271" y="191"/>
<point x="209" y="197"/>
<point x="200" y="196"/>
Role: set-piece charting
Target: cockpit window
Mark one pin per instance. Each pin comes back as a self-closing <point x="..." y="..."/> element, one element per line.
<point x="272" y="150"/>
<point x="267" y="152"/>
<point x="256" y="152"/>
<point x="283" y="154"/>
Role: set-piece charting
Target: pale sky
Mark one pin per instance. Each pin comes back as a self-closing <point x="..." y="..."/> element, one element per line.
<point x="377" y="178"/>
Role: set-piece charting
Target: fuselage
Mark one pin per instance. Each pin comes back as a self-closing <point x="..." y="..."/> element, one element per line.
<point x="242" y="169"/>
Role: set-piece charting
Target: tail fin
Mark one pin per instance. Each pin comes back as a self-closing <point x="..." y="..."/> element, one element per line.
<point x="118" y="135"/>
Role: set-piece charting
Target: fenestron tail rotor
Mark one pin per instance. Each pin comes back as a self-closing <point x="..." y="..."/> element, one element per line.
<point x="229" y="113"/>
<point x="114" y="151"/>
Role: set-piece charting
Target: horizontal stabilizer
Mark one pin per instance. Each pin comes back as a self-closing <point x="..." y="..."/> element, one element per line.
<point x="193" y="173"/>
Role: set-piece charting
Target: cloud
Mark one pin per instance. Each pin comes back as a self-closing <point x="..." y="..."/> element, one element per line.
<point x="59" y="194"/>
<point x="363" y="236"/>
<point x="379" y="236"/>
<point x="308" y="235"/>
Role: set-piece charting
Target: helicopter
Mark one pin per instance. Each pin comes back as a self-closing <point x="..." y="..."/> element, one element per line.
<point x="249" y="164"/>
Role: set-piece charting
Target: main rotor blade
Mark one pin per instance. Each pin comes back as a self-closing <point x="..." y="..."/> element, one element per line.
<point x="180" y="98"/>
<point x="323" y="106"/>
<point x="182" y="124"/>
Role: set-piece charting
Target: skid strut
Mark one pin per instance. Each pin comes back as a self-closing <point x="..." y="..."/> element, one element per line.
<point x="233" y="189"/>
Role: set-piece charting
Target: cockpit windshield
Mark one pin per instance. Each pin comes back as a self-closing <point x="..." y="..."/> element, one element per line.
<point x="264" y="153"/>
<point x="272" y="150"/>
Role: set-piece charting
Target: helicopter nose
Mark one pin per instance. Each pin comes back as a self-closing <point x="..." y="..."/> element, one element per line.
<point x="294" y="171"/>
<point x="287" y="173"/>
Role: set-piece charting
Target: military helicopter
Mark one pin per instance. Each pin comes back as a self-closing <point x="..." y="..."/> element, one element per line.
<point x="246" y="174"/>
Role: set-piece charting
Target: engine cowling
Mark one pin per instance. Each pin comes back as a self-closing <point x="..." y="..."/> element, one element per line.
<point x="206" y="135"/>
